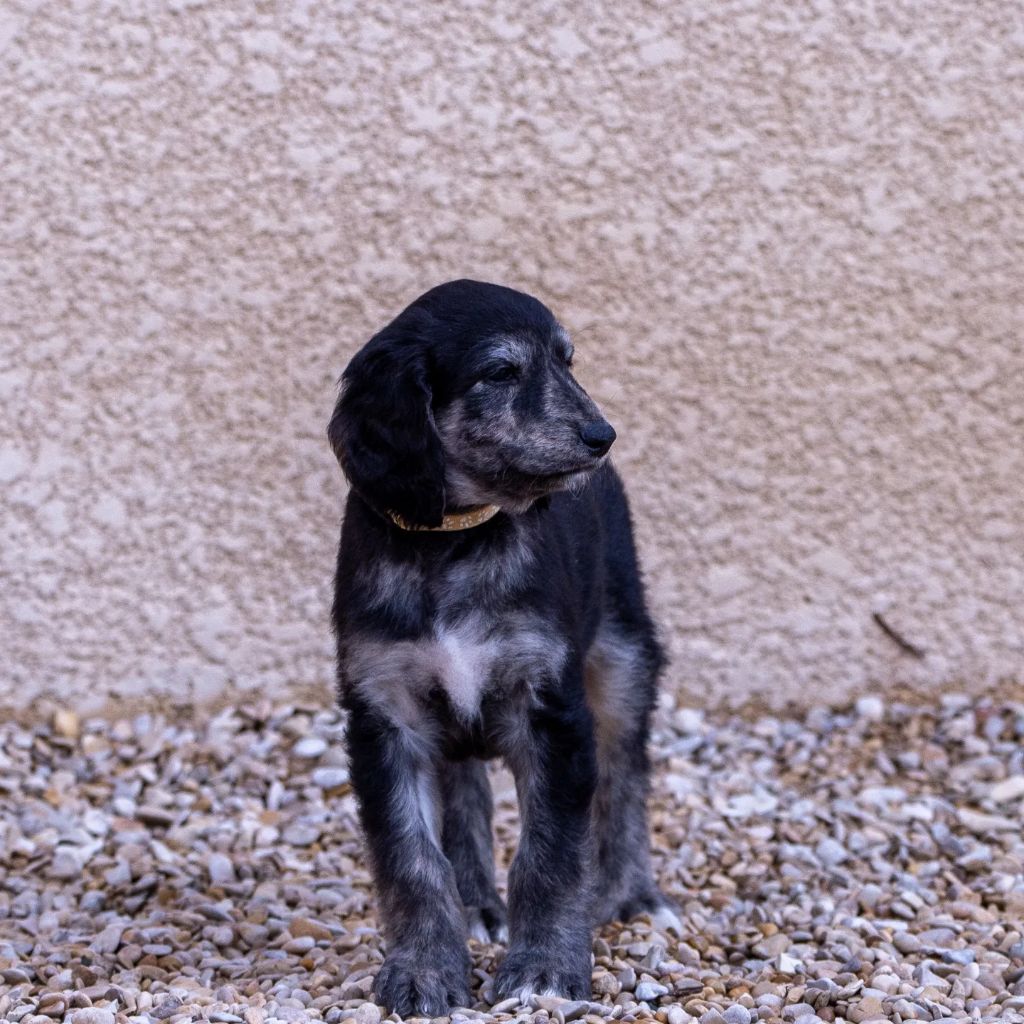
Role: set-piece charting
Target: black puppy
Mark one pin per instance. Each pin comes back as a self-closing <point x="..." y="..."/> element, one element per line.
<point x="488" y="603"/>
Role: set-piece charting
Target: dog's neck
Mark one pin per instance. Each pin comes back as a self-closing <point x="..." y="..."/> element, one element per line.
<point x="451" y="522"/>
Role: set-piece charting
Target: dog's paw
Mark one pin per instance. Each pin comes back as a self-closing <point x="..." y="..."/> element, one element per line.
<point x="664" y="912"/>
<point x="487" y="924"/>
<point x="667" y="917"/>
<point x="528" y="973"/>
<point x="413" y="985"/>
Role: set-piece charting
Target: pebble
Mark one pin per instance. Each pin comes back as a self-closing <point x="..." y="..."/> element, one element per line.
<point x="151" y="814"/>
<point x="65" y="865"/>
<point x="627" y="978"/>
<point x="958" y="956"/>
<point x="830" y="852"/>
<point x="907" y="942"/>
<point x="92" y="1015"/>
<point x="305" y="926"/>
<point x="329" y="778"/>
<point x="870" y="707"/>
<point x="869" y="896"/>
<point x="786" y="964"/>
<point x="985" y="824"/>
<point x="301" y="834"/>
<point x="310" y="747"/>
<point x="1011" y="788"/>
<point x="648" y="991"/>
<point x="108" y="940"/>
<point x="736" y="1014"/>
<point x="689" y="721"/>
<point x="888" y="984"/>
<point x="866" y="1008"/>
<point x="221" y="869"/>
<point x="852" y="864"/>
<point x="66" y="723"/>
<point x="797" y="1011"/>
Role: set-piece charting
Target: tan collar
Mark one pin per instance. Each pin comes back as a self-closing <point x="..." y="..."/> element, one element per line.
<point x="456" y="521"/>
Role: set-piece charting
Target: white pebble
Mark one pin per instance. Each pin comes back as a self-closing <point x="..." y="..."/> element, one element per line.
<point x="872" y="708"/>
<point x="329" y="778"/>
<point x="1009" y="789"/>
<point x="222" y="871"/>
<point x="309" y="747"/>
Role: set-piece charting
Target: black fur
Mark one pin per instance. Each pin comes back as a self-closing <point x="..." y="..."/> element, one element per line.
<point x="526" y="637"/>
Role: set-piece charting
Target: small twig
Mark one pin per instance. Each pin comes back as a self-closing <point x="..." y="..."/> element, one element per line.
<point x="900" y="641"/>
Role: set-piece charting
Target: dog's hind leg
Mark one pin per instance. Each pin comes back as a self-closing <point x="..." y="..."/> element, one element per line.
<point x="621" y="682"/>
<point x="426" y="969"/>
<point x="469" y="845"/>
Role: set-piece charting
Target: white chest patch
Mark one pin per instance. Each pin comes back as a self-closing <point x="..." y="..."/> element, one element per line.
<point x="466" y="659"/>
<point x="465" y="664"/>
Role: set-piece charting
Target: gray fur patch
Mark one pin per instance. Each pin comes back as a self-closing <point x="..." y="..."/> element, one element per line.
<point x="387" y="584"/>
<point x="614" y="667"/>
<point x="466" y="658"/>
<point x="477" y="580"/>
<point x="485" y="575"/>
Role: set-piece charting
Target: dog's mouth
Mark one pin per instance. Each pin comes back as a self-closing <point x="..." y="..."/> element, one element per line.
<point x="516" y="486"/>
<point x="548" y="481"/>
<point x="565" y="474"/>
<point x="577" y="467"/>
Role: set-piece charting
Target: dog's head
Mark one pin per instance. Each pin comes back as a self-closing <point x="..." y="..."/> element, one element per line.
<point x="466" y="398"/>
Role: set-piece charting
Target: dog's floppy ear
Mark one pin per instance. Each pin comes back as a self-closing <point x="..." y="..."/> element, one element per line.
<point x="382" y="430"/>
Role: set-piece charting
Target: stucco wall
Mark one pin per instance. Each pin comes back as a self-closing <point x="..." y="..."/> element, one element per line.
<point x="787" y="237"/>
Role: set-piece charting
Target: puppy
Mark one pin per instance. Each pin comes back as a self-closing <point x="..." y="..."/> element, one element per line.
<point x="488" y="603"/>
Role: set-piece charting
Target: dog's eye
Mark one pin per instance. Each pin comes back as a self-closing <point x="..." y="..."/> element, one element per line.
<point x="569" y="358"/>
<point x="502" y="374"/>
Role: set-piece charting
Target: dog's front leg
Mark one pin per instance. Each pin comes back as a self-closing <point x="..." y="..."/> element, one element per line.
<point x="425" y="971"/>
<point x="468" y="844"/>
<point x="549" y="895"/>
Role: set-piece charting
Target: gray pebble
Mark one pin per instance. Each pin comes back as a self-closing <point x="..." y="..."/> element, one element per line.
<point x="301" y="833"/>
<point x="798" y="1011"/>
<point x="906" y="942"/>
<point x="91" y="1015"/>
<point x="830" y="852"/>
<point x="648" y="991"/>
<point x="108" y="940"/>
<point x="66" y="865"/>
<point x="736" y="1014"/>
<point x="958" y="956"/>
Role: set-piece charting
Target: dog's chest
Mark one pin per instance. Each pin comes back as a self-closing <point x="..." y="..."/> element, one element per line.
<point x="481" y="653"/>
<point x="476" y="635"/>
<point x="464" y="659"/>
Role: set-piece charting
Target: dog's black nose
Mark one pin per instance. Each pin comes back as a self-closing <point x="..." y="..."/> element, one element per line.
<point x="598" y="436"/>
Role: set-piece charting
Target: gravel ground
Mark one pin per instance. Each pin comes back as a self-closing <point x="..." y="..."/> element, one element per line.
<point x="860" y="865"/>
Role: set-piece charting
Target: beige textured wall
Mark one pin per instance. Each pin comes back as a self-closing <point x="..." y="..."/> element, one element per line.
<point x="788" y="237"/>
